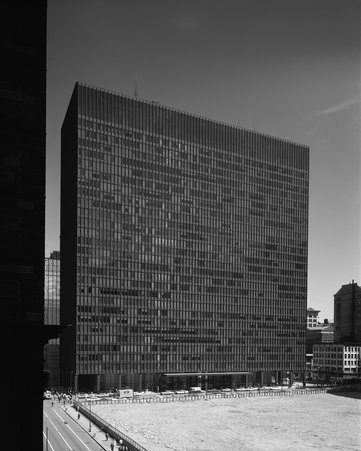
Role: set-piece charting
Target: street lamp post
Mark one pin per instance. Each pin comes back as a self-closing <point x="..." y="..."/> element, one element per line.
<point x="90" y="423"/>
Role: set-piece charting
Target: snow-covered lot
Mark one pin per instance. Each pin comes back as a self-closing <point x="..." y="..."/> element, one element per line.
<point x="320" y="421"/>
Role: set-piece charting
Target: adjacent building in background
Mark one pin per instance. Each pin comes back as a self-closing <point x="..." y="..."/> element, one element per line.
<point x="347" y="313"/>
<point x="341" y="360"/>
<point x="184" y="248"/>
<point x="317" y="335"/>
<point x="52" y="317"/>
<point x="336" y="361"/>
<point x="312" y="318"/>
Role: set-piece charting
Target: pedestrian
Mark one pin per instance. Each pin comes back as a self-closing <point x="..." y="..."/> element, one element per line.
<point x="52" y="403"/>
<point x="106" y="435"/>
<point x="112" y="446"/>
<point x="78" y="416"/>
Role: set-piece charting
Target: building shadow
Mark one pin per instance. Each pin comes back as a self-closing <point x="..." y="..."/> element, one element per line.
<point x="349" y="393"/>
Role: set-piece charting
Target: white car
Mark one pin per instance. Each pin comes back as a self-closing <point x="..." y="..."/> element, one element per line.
<point x="47" y="394"/>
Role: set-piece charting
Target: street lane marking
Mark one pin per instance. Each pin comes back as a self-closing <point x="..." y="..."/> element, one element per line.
<point x="48" y="441"/>
<point x="76" y="435"/>
<point x="57" y="430"/>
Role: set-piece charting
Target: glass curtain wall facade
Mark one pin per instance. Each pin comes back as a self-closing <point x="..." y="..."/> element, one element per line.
<point x="184" y="243"/>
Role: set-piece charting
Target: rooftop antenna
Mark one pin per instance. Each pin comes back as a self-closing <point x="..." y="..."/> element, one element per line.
<point x="136" y="89"/>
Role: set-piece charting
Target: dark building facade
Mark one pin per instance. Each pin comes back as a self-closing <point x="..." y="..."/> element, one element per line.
<point x="22" y="213"/>
<point x="184" y="247"/>
<point x="347" y="314"/>
<point x="317" y="335"/>
<point x="52" y="317"/>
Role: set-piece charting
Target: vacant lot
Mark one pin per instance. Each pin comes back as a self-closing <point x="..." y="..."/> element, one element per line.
<point x="321" y="421"/>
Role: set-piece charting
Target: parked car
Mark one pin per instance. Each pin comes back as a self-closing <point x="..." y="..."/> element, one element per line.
<point x="126" y="393"/>
<point x="196" y="391"/>
<point x="214" y="391"/>
<point x="47" y="394"/>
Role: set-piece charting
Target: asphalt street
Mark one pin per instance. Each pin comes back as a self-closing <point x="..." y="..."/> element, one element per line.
<point x="63" y="431"/>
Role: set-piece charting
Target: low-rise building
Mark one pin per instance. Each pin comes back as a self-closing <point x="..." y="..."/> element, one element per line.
<point x="312" y="318"/>
<point x="336" y="361"/>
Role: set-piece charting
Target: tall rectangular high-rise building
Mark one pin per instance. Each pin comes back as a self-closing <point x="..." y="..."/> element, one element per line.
<point x="22" y="214"/>
<point x="52" y="316"/>
<point x="183" y="244"/>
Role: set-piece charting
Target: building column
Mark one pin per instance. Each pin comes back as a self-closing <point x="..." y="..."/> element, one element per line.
<point x="140" y="382"/>
<point x="261" y="379"/>
<point x="291" y="378"/>
<point x="76" y="383"/>
<point x="119" y="381"/>
<point x="97" y="383"/>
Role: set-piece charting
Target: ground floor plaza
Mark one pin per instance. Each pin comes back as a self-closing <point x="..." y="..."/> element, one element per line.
<point x="174" y="381"/>
<point x="280" y="422"/>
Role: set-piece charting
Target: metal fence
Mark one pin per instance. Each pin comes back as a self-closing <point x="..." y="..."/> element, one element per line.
<point x="106" y="427"/>
<point x="192" y="397"/>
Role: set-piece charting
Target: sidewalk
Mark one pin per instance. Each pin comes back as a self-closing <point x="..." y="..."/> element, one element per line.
<point x="97" y="434"/>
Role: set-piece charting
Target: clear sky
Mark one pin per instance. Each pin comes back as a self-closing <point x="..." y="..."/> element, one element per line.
<point x="288" y="68"/>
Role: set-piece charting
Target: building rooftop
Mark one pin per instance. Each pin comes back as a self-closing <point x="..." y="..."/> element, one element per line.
<point x="155" y="103"/>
